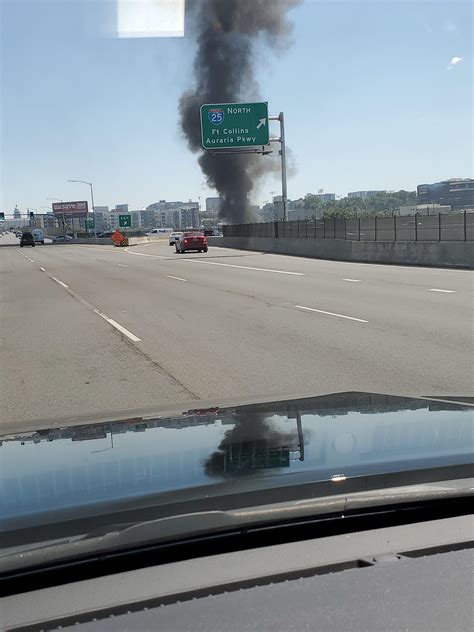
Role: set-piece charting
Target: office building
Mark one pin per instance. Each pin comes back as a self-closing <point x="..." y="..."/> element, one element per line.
<point x="214" y="205"/>
<point x="458" y="193"/>
<point x="326" y="197"/>
<point x="363" y="195"/>
<point x="102" y="218"/>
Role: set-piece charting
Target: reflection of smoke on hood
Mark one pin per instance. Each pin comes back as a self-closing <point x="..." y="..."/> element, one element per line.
<point x="227" y="34"/>
<point x="252" y="433"/>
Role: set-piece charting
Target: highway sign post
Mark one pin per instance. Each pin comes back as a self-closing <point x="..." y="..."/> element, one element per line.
<point x="234" y="125"/>
<point x="125" y="221"/>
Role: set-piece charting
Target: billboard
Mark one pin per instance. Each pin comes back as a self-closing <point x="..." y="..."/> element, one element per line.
<point x="71" y="209"/>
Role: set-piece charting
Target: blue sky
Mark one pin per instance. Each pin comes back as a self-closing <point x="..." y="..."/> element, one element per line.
<point x="370" y="102"/>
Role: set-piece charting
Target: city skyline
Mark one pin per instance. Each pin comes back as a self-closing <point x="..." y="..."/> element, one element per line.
<point x="376" y="109"/>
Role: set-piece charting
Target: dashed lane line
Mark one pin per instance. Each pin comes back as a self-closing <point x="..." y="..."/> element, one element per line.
<point x="175" y="278"/>
<point x="434" y="289"/>
<point x="321" y="311"/>
<point x="59" y="282"/>
<point x="118" y="326"/>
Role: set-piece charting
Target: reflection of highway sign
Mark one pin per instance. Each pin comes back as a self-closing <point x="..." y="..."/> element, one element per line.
<point x="125" y="221"/>
<point x="237" y="461"/>
<point x="70" y="209"/>
<point x="233" y="125"/>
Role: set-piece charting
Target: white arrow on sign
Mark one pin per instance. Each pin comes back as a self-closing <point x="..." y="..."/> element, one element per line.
<point x="261" y="122"/>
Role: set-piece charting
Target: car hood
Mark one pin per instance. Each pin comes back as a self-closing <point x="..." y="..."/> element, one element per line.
<point x="204" y="454"/>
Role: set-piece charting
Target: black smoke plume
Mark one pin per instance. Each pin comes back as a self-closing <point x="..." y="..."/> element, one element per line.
<point x="228" y="33"/>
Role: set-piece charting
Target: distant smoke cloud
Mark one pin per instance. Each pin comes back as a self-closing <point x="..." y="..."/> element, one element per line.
<point x="224" y="66"/>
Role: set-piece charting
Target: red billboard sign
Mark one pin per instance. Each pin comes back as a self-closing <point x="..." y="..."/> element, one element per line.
<point x="71" y="209"/>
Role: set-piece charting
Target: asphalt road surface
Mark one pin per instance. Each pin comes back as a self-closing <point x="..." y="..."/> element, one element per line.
<point x="88" y="329"/>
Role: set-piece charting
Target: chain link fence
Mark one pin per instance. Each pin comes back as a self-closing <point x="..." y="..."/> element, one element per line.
<point x="440" y="227"/>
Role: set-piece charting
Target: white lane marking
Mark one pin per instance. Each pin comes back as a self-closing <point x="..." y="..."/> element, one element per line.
<point x="175" y="278"/>
<point x="230" y="265"/>
<point x="352" y="280"/>
<point x="434" y="289"/>
<point x="60" y="282"/>
<point x="321" y="311"/>
<point x="117" y="326"/>
<point x="122" y="265"/>
<point x="42" y="270"/>
<point x="93" y="259"/>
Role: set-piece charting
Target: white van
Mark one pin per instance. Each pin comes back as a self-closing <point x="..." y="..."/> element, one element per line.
<point x="159" y="232"/>
<point x="38" y="235"/>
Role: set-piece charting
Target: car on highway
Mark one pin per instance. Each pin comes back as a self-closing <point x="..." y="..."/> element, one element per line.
<point x="191" y="241"/>
<point x="60" y="239"/>
<point x="38" y="235"/>
<point x="295" y="511"/>
<point x="174" y="238"/>
<point x="27" y="239"/>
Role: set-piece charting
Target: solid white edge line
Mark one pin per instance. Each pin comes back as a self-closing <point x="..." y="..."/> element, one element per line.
<point x="434" y="289"/>
<point x="117" y="326"/>
<point x="353" y="280"/>
<point x="321" y="311"/>
<point x="60" y="282"/>
<point x="143" y="254"/>
<point x="230" y="265"/>
<point x="175" y="278"/>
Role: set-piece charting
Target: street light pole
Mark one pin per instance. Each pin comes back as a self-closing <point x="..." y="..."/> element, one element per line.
<point x="92" y="199"/>
<point x="64" y="221"/>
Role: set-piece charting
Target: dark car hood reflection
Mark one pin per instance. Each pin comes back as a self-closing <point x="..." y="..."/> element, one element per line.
<point x="324" y="438"/>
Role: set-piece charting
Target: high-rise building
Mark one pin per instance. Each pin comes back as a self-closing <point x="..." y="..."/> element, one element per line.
<point x="147" y="219"/>
<point x="326" y="197"/>
<point x="363" y="195"/>
<point x="213" y="205"/>
<point x="458" y="193"/>
<point x="121" y="208"/>
<point x="102" y="218"/>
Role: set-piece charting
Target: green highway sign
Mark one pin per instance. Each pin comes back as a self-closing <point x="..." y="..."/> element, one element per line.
<point x="125" y="221"/>
<point x="234" y="125"/>
<point x="89" y="223"/>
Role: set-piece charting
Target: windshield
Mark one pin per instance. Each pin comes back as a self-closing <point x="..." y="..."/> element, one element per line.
<point x="209" y="204"/>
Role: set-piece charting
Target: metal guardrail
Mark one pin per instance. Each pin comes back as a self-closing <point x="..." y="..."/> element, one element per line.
<point x="439" y="227"/>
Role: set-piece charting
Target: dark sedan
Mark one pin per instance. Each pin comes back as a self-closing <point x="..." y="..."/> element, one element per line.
<point x="27" y="239"/>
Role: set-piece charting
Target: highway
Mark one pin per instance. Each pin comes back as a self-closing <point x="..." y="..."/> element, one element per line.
<point x="91" y="328"/>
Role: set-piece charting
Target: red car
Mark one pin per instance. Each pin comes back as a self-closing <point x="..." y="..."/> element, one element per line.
<point x="191" y="241"/>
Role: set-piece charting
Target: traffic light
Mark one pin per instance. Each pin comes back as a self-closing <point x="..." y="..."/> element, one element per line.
<point x="32" y="215"/>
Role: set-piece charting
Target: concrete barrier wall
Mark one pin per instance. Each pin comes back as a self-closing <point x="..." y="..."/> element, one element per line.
<point x="104" y="241"/>
<point x="428" y="253"/>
